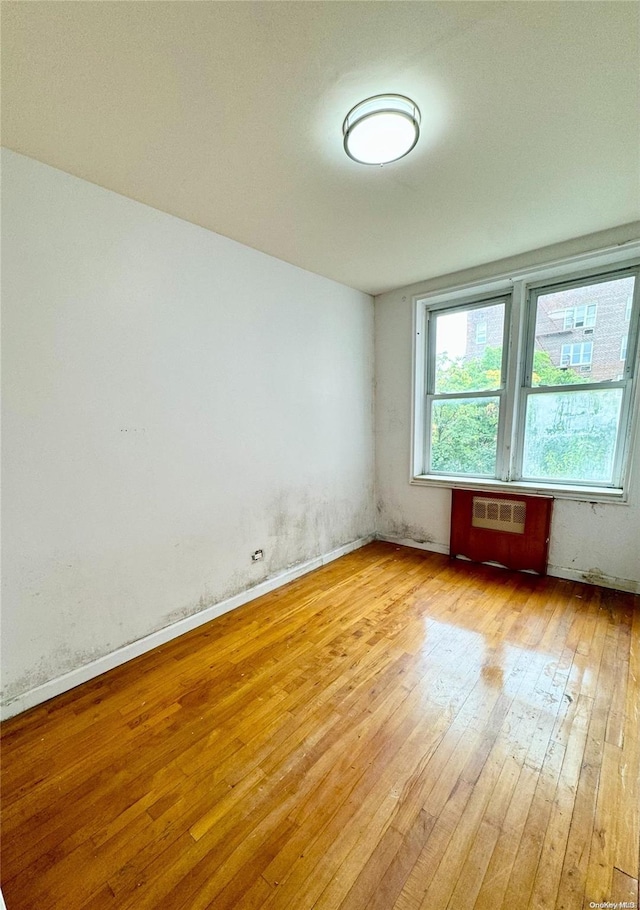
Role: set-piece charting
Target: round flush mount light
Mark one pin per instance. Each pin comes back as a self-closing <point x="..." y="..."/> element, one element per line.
<point x="381" y="129"/>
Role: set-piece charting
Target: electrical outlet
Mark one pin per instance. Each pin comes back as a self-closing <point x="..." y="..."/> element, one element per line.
<point x="256" y="555"/>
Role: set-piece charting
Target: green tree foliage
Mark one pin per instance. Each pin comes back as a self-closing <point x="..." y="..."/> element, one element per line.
<point x="546" y="373"/>
<point x="483" y="373"/>
<point x="464" y="431"/>
<point x="474" y="375"/>
<point x="463" y="436"/>
<point x="571" y="435"/>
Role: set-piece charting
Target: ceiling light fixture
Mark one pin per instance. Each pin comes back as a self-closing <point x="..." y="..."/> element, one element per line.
<point x="381" y="129"/>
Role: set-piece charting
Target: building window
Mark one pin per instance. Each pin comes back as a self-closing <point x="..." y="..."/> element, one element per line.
<point x="527" y="409"/>
<point x="579" y="317"/>
<point x="576" y="354"/>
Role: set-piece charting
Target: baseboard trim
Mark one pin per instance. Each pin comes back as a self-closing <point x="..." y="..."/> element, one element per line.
<point x="592" y="578"/>
<point x="417" y="545"/>
<point x="89" y="671"/>
<point x="587" y="578"/>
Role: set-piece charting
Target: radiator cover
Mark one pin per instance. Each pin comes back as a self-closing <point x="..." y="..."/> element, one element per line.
<point x="506" y="528"/>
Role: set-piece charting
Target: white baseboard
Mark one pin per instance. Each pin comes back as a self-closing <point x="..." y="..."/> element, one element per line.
<point x="76" y="677"/>
<point x="587" y="578"/>
<point x="406" y="542"/>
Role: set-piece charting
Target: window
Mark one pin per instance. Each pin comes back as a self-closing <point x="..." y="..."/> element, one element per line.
<point x="576" y="354"/>
<point x="528" y="408"/>
<point x="579" y="316"/>
<point x="467" y="394"/>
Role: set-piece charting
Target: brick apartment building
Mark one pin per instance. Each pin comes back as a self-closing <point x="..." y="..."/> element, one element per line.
<point x="584" y="328"/>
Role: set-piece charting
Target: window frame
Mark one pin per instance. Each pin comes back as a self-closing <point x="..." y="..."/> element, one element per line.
<point x="518" y="358"/>
<point x="430" y="393"/>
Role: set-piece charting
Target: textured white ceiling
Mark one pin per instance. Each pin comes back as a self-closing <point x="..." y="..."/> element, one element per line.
<point x="230" y="114"/>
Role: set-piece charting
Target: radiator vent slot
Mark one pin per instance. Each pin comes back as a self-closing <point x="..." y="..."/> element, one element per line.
<point x="499" y="514"/>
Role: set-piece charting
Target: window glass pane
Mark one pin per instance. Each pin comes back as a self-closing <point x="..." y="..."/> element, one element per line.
<point x="572" y="435"/>
<point x="469" y="349"/>
<point x="464" y="435"/>
<point x="579" y="333"/>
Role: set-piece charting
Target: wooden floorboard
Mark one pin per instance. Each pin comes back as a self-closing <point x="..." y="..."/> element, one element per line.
<point x="394" y="731"/>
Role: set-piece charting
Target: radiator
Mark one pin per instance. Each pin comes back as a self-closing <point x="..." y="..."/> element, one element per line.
<point x="504" y="528"/>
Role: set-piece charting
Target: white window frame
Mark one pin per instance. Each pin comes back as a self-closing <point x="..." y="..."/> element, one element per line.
<point x="520" y="288"/>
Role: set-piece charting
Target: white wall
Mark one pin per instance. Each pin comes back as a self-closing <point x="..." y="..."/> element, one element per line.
<point x="594" y="542"/>
<point x="172" y="401"/>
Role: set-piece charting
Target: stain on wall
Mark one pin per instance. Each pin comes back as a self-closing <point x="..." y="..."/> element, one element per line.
<point x="401" y="530"/>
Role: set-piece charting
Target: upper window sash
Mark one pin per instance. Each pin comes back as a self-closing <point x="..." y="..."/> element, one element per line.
<point x="537" y="290"/>
<point x="432" y="314"/>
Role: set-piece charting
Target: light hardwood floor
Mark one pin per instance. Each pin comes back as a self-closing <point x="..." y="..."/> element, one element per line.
<point x="394" y="730"/>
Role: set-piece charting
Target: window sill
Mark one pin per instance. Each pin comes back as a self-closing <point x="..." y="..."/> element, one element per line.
<point x="577" y="493"/>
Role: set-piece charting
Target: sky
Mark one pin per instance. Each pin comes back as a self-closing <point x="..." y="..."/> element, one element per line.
<point x="452" y="334"/>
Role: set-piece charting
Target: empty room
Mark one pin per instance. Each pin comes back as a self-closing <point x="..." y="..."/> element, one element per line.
<point x="320" y="455"/>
